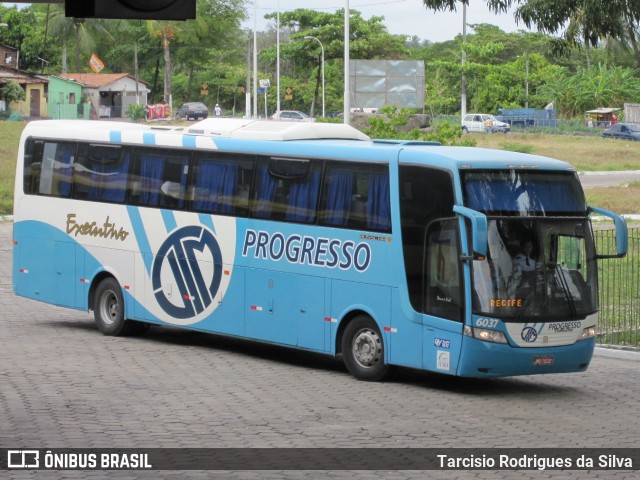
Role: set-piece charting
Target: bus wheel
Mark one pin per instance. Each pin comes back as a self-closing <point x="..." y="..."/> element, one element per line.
<point x="108" y="308"/>
<point x="363" y="350"/>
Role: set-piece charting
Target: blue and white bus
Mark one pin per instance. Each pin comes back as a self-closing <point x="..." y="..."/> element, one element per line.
<point x="464" y="261"/>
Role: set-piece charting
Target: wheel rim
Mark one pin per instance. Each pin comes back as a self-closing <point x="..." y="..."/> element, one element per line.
<point x="109" y="307"/>
<point x="367" y="348"/>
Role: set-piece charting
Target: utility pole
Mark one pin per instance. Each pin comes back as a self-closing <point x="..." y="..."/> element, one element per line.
<point x="347" y="102"/>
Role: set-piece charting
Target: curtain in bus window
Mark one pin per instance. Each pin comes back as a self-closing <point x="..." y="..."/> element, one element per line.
<point x="378" y="207"/>
<point x="215" y="186"/>
<point x="266" y="192"/>
<point x="116" y="185"/>
<point x="303" y="198"/>
<point x="109" y="180"/>
<point x="64" y="169"/>
<point x="339" y="197"/>
<point x="151" y="170"/>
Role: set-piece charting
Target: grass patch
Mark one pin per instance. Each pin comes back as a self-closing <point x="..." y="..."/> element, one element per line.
<point x="9" y="139"/>
<point x="619" y="199"/>
<point x="592" y="153"/>
<point x="517" y="147"/>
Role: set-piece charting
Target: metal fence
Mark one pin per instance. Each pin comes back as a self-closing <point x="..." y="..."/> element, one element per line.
<point x="619" y="283"/>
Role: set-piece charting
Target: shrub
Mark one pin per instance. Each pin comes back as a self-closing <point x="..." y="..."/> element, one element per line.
<point x="135" y="112"/>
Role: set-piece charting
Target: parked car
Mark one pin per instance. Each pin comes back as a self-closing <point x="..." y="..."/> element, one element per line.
<point x="193" y="110"/>
<point x="475" y="122"/>
<point x="292" y="115"/>
<point x="628" y="131"/>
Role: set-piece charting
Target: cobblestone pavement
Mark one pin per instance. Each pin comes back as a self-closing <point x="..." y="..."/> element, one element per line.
<point x="63" y="384"/>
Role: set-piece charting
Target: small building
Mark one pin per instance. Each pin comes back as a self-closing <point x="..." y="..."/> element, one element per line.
<point x="603" y="117"/>
<point x="110" y="94"/>
<point x="35" y="88"/>
<point x="632" y="112"/>
<point x="65" y="99"/>
<point x="9" y="56"/>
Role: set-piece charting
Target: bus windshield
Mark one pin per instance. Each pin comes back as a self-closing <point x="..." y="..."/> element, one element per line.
<point x="524" y="192"/>
<point x="536" y="270"/>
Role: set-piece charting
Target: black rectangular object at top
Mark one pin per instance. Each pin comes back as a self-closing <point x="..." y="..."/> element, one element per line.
<point x="126" y="9"/>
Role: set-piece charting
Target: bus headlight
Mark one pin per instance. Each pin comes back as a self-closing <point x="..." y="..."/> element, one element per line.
<point x="485" y="335"/>
<point x="588" y="333"/>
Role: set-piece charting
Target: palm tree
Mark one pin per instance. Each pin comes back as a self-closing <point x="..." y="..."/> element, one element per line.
<point x="168" y="31"/>
<point x="165" y="30"/>
<point x="81" y="31"/>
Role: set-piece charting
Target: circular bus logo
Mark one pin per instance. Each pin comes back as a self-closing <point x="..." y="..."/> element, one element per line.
<point x="529" y="334"/>
<point x="191" y="261"/>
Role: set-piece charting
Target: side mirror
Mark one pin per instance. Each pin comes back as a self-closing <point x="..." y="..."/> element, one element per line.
<point x="622" y="235"/>
<point x="479" y="229"/>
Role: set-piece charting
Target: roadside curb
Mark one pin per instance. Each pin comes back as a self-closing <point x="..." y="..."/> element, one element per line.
<point x="608" y="352"/>
<point x="6" y="218"/>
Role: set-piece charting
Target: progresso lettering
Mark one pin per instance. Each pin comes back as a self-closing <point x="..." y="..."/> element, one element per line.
<point x="305" y="250"/>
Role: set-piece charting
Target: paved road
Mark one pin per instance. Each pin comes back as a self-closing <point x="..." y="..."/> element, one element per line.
<point x="63" y="384"/>
<point x="608" y="179"/>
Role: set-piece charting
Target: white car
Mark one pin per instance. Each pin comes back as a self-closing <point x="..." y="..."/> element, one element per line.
<point x="292" y="115"/>
<point x="477" y="122"/>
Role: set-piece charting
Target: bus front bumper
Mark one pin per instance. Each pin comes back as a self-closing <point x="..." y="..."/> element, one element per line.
<point x="485" y="359"/>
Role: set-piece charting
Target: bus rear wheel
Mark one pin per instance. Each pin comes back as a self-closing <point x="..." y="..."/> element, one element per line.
<point x="363" y="350"/>
<point x="108" y="311"/>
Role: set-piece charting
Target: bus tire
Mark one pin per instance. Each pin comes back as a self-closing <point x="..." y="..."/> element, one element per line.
<point x="363" y="350"/>
<point x="108" y="309"/>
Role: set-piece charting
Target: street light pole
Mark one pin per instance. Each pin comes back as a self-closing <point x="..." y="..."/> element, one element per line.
<point x="309" y="37"/>
<point x="347" y="100"/>
<point x="526" y="79"/>
<point x="255" y="60"/>
<point x="463" y="94"/>
<point x="277" y="59"/>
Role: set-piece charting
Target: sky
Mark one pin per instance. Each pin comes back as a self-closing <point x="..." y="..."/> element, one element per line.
<point x="408" y="17"/>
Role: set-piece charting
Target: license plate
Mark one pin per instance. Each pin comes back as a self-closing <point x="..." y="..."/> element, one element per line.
<point x="543" y="360"/>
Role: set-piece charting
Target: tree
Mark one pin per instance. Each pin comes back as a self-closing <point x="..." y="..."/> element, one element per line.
<point x="586" y="21"/>
<point x="213" y="26"/>
<point x="598" y="86"/>
<point x="225" y="48"/>
<point x="82" y="32"/>
<point x="369" y="39"/>
<point x="12" y="92"/>
<point x="496" y="70"/>
<point x="22" y="31"/>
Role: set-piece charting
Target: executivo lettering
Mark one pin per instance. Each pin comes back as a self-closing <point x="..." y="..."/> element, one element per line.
<point x="92" y="229"/>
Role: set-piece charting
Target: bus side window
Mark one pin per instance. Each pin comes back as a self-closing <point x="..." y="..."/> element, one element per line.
<point x="356" y="197"/>
<point x="56" y="169"/>
<point x="159" y="178"/>
<point x="32" y="165"/>
<point x="442" y="271"/>
<point x="221" y="184"/>
<point x="292" y="198"/>
<point x="101" y="173"/>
